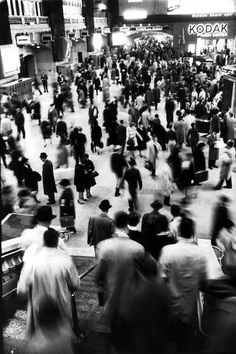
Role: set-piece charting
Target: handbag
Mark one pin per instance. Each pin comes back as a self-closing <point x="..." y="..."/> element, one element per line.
<point x="130" y="142"/>
<point x="37" y="176"/>
<point x="95" y="174"/>
<point x="201" y="176"/>
<point x="148" y="165"/>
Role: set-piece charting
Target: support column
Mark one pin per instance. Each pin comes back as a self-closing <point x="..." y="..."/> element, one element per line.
<point x="20" y="9"/>
<point x="9" y="8"/>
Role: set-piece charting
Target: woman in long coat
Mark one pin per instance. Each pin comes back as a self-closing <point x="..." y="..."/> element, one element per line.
<point x="181" y="128"/>
<point x="80" y="179"/>
<point x="67" y="206"/>
<point x="89" y="179"/>
<point x="96" y="135"/>
<point x="199" y="158"/>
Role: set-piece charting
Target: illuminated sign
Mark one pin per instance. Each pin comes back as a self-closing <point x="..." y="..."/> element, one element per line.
<point x="23" y="40"/>
<point x="208" y="29"/>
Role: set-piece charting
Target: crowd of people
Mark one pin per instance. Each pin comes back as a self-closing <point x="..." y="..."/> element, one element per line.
<point x="148" y="278"/>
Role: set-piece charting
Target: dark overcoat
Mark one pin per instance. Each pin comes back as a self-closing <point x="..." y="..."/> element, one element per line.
<point x="49" y="185"/>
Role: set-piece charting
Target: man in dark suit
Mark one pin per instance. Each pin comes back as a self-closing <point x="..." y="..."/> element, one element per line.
<point x="49" y="186"/>
<point x="150" y="220"/>
<point x="133" y="177"/>
<point x="101" y="226"/>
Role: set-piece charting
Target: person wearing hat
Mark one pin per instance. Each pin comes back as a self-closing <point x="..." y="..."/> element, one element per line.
<point x="101" y="226"/>
<point x="49" y="185"/>
<point x="31" y="240"/>
<point x="150" y="220"/>
<point x="133" y="177"/>
<point x="51" y="273"/>
<point x="67" y="206"/>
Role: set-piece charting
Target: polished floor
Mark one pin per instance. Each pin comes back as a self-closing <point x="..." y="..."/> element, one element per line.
<point x="200" y="205"/>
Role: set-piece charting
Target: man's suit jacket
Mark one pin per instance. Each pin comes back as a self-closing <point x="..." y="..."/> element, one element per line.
<point x="100" y="227"/>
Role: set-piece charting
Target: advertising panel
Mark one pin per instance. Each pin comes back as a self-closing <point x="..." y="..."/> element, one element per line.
<point x="9" y="60"/>
<point x="137" y="9"/>
<point x="191" y="7"/>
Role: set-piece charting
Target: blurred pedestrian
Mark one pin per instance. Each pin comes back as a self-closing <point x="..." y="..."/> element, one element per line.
<point x="183" y="266"/>
<point x="16" y="166"/>
<point x="46" y="130"/>
<point x="93" y="114"/>
<point x="133" y="177"/>
<point x="213" y="155"/>
<point x="226" y="166"/>
<point x="122" y="264"/>
<point x="192" y="137"/>
<point x="51" y="273"/>
<point x="37" y="111"/>
<point x="62" y="155"/>
<point x="61" y="129"/>
<point x="44" y="79"/>
<point x="51" y="335"/>
<point x="36" y="84"/>
<point x="52" y="116"/>
<point x="153" y="153"/>
<point x="3" y="150"/>
<point x="31" y="178"/>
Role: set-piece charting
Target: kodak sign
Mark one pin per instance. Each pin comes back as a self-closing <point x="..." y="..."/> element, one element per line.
<point x="208" y="29"/>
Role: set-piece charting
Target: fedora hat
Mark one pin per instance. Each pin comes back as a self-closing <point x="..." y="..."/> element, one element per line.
<point x="44" y="213"/>
<point x="64" y="182"/>
<point x="156" y="204"/>
<point x="43" y="155"/>
<point x="105" y="205"/>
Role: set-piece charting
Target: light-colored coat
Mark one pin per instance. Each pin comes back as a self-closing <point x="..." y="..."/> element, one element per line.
<point x="51" y="273"/>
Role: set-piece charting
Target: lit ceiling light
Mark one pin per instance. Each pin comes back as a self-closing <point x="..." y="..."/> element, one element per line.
<point x="135" y="14"/>
<point x="135" y="0"/>
<point x="102" y="7"/>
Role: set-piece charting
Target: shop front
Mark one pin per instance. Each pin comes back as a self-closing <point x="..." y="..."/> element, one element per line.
<point x="206" y="36"/>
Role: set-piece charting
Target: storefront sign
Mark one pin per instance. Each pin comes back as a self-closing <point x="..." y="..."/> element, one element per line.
<point x="208" y="29"/>
<point x="23" y="40"/>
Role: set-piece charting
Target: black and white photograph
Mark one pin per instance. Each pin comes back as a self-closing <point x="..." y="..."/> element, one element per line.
<point x="118" y="176"/>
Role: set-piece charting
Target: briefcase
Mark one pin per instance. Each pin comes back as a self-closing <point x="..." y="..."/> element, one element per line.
<point x="201" y="176"/>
